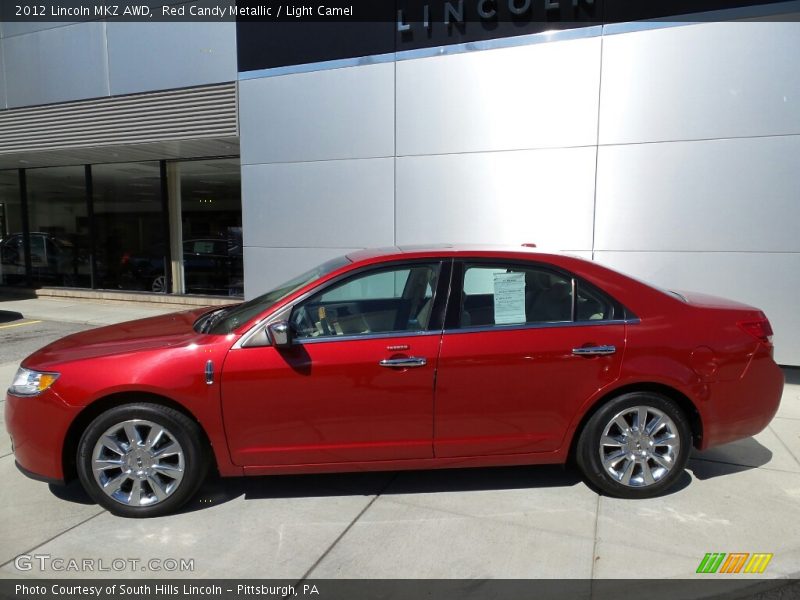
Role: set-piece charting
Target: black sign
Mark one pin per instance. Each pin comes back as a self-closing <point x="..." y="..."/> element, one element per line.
<point x="301" y="34"/>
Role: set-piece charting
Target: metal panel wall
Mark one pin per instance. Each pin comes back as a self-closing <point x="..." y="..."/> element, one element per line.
<point x="722" y="195"/>
<point x="538" y="96"/>
<point x="330" y="204"/>
<point x="702" y="81"/>
<point x="343" y="113"/>
<point x="698" y="180"/>
<point x="46" y="63"/>
<point x="56" y="65"/>
<point x="682" y="139"/>
<point x="541" y="196"/>
<point x="158" y="56"/>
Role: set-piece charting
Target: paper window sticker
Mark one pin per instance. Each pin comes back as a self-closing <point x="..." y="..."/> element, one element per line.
<point x="509" y="298"/>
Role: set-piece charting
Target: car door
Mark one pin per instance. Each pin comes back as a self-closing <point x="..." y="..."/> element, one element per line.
<point x="522" y="350"/>
<point x="356" y="384"/>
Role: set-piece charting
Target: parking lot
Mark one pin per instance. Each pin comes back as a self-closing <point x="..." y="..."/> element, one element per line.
<point x="521" y="522"/>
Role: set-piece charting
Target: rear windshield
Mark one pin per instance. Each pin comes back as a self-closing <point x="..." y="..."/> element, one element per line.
<point x="226" y="320"/>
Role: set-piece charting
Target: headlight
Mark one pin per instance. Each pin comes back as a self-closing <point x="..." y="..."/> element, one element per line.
<point x="31" y="383"/>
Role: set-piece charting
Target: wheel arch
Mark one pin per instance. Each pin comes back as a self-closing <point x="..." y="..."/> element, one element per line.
<point x="101" y="405"/>
<point x="682" y="400"/>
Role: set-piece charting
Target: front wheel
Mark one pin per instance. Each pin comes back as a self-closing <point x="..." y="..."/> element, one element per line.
<point x="635" y="446"/>
<point x="141" y="460"/>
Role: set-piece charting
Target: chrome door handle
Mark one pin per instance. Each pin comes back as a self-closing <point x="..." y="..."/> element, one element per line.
<point x="594" y="350"/>
<point x="410" y="361"/>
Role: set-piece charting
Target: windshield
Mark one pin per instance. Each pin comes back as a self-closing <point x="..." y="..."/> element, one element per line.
<point x="226" y="320"/>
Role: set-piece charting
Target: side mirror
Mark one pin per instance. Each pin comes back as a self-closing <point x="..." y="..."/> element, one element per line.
<point x="281" y="334"/>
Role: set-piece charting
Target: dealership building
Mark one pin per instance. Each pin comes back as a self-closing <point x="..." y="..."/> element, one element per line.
<point x="220" y="158"/>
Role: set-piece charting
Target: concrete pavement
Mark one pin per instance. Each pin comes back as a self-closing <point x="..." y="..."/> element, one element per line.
<point x="522" y="522"/>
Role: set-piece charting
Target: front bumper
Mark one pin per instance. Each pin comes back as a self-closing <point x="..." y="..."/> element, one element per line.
<point x="38" y="426"/>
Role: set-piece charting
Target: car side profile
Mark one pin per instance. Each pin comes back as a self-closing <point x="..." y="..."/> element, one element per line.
<point x="400" y="358"/>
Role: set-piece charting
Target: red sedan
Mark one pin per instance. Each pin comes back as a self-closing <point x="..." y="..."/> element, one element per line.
<point x="400" y="359"/>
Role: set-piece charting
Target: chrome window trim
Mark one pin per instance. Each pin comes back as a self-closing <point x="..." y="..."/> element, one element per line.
<point x="365" y="336"/>
<point x="548" y="325"/>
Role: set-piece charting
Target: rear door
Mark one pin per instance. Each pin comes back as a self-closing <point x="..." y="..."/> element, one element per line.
<point x="524" y="347"/>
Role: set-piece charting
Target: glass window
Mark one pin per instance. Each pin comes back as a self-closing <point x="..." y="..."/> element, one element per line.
<point x="60" y="245"/>
<point x="227" y="319"/>
<point x="129" y="220"/>
<point x="211" y="214"/>
<point x="507" y="295"/>
<point x="12" y="255"/>
<point x="397" y="299"/>
<point x="593" y="305"/>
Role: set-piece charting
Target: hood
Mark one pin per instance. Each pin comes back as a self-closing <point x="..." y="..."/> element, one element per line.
<point x="123" y="338"/>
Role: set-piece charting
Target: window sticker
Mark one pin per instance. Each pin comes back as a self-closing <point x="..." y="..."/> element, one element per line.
<point x="509" y="298"/>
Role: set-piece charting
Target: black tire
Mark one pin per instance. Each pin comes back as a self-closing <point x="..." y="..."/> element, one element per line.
<point x="588" y="451"/>
<point x="178" y="428"/>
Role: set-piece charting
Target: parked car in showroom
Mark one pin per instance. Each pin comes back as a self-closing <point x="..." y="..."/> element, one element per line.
<point x="401" y="358"/>
<point x="55" y="260"/>
<point x="211" y="266"/>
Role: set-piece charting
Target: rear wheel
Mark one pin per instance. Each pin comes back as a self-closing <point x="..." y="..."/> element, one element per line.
<point x="141" y="460"/>
<point x="635" y="446"/>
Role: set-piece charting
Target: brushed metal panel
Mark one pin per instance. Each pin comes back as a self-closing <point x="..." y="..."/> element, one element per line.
<point x="13" y="28"/>
<point x="56" y="65"/>
<point x="267" y="268"/>
<point x="153" y="56"/>
<point x="539" y="196"/>
<point x="342" y="113"/>
<point x="701" y="81"/>
<point x="738" y="194"/>
<point x="543" y="95"/>
<point x="347" y="203"/>
<point x="769" y="281"/>
<point x="3" y="100"/>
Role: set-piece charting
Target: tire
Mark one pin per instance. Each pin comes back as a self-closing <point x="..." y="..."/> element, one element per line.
<point x="628" y="463"/>
<point x="152" y="475"/>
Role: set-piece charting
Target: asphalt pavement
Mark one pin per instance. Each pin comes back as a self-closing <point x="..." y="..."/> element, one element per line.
<point x="520" y="522"/>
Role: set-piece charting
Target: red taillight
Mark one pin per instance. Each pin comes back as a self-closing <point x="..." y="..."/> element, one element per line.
<point x="759" y="329"/>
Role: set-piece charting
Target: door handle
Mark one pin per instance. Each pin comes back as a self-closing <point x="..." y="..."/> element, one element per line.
<point x="594" y="350"/>
<point x="405" y="362"/>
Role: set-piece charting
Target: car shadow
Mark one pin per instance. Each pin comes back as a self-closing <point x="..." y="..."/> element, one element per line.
<point x="71" y="492"/>
<point x="7" y="316"/>
<point x="735" y="457"/>
<point x="217" y="490"/>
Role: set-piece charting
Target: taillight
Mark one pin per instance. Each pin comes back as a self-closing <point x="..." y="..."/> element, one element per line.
<point x="758" y="328"/>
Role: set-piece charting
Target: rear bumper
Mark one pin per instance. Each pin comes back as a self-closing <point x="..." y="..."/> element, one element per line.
<point x="38" y="426"/>
<point x="744" y="407"/>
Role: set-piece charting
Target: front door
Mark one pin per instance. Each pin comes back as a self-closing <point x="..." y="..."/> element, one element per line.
<point x="357" y="382"/>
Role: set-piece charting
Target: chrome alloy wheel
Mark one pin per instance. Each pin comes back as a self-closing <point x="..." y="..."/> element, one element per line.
<point x="639" y="446"/>
<point x="138" y="463"/>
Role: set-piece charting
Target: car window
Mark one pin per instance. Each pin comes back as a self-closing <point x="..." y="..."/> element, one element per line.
<point x="227" y="319"/>
<point x="382" y="301"/>
<point x="593" y="305"/>
<point x="510" y="294"/>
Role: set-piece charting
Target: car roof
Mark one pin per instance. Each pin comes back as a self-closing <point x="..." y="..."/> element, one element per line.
<point x="500" y="251"/>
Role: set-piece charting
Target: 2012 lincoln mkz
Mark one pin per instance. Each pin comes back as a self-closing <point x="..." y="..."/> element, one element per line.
<point x="400" y="358"/>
